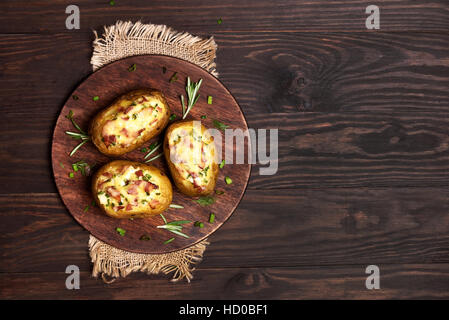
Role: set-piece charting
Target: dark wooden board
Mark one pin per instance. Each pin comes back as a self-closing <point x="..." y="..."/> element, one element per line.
<point x="263" y="16"/>
<point x="110" y="82"/>
<point x="407" y="281"/>
<point x="269" y="228"/>
<point x="306" y="63"/>
<point x="266" y="72"/>
<point x="368" y="150"/>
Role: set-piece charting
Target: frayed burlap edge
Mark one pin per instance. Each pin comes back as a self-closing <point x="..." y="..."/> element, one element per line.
<point x="119" y="263"/>
<point x="125" y="39"/>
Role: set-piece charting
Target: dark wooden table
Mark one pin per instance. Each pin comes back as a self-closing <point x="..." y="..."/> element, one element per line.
<point x="363" y="153"/>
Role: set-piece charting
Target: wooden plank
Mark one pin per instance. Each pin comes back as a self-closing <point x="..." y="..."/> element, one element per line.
<point x="269" y="228"/>
<point x="428" y="281"/>
<point x="197" y="15"/>
<point x="316" y="150"/>
<point x="267" y="72"/>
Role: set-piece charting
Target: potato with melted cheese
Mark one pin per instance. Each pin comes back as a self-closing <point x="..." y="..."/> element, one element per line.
<point x="125" y="189"/>
<point x="129" y="122"/>
<point x="190" y="152"/>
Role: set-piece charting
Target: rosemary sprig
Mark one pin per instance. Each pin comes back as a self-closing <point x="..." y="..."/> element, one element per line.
<point x="70" y="117"/>
<point x="192" y="89"/>
<point x="174" y="226"/>
<point x="152" y="148"/>
<point x="81" y="135"/>
<point x="155" y="157"/>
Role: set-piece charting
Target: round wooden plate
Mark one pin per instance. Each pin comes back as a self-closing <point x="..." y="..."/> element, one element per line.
<point x="110" y="82"/>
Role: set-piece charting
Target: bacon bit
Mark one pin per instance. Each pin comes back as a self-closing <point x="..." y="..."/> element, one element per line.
<point x="109" y="139"/>
<point x="128" y="109"/>
<point x="153" y="204"/>
<point x="139" y="132"/>
<point x="139" y="173"/>
<point x="121" y="109"/>
<point x="124" y="131"/>
<point x="150" y="186"/>
<point x="129" y="207"/>
<point x="137" y="182"/>
<point x="124" y="168"/>
<point x="107" y="174"/>
<point x="125" y="118"/>
<point x="132" y="190"/>
<point x="113" y="192"/>
<point x="103" y="182"/>
<point x="117" y="208"/>
<point x="159" y="109"/>
<point x="144" y="99"/>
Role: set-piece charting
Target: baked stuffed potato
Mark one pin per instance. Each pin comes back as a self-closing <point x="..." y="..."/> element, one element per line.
<point x="190" y="152"/>
<point x="125" y="189"/>
<point x="129" y="122"/>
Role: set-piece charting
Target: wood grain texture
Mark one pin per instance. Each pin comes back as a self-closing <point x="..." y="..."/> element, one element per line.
<point x="272" y="72"/>
<point x="364" y="164"/>
<point x="113" y="81"/>
<point x="418" y="281"/>
<point x="269" y="228"/>
<point x="316" y="150"/>
<point x="22" y="16"/>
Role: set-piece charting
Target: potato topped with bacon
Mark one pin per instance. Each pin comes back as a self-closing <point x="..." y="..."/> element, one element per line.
<point x="190" y="152"/>
<point x="125" y="189"/>
<point x="129" y="122"/>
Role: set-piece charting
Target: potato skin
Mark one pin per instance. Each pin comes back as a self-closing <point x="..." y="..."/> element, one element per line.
<point x="163" y="182"/>
<point x="185" y="186"/>
<point x="99" y="121"/>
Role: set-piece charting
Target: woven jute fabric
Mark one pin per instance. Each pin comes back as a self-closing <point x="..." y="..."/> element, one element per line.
<point x="122" y="40"/>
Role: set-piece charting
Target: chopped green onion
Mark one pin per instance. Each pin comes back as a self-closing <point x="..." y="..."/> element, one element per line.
<point x="203" y="117"/>
<point x="75" y="167"/>
<point x="228" y="180"/>
<point x="121" y="231"/>
<point x="71" y="175"/>
<point x="209" y="100"/>
<point x="211" y="218"/>
<point x="220" y="125"/>
<point x="219" y="192"/>
<point x="174" y="77"/>
<point x="96" y="98"/>
<point x="205" y="200"/>
<point x="145" y="237"/>
<point x="75" y="97"/>
<point x="61" y="164"/>
<point x="172" y="117"/>
<point x="132" y="68"/>
<point x="86" y="208"/>
<point x="198" y="224"/>
<point x="169" y="240"/>
<point x="112" y="2"/>
<point x="222" y="164"/>
<point x="220" y="20"/>
<point x="143" y="150"/>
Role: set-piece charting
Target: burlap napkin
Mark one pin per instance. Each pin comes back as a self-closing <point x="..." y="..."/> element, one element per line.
<point x="122" y="40"/>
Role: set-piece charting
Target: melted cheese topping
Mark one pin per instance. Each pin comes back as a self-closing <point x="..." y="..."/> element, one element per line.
<point x="192" y="154"/>
<point x="131" y="120"/>
<point x="129" y="189"/>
